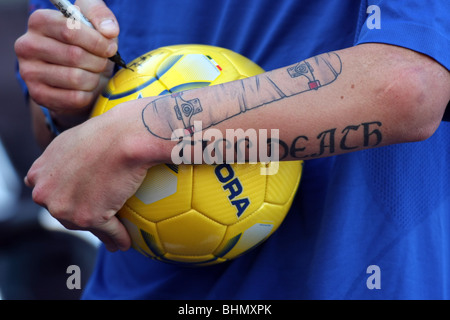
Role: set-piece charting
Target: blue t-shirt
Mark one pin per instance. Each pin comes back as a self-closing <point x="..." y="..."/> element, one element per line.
<point x="373" y="224"/>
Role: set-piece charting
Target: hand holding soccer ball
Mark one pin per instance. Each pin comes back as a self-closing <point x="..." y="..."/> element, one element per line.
<point x="197" y="214"/>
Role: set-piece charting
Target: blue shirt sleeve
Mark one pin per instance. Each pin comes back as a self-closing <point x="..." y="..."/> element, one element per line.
<point x="422" y="26"/>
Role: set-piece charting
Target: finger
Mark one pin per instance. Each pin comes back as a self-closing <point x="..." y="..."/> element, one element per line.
<point x="55" y="52"/>
<point x="66" y="77"/>
<point x="51" y="23"/>
<point x="30" y="178"/>
<point x="61" y="100"/>
<point x="106" y="240"/>
<point x="27" y="182"/>
<point x="100" y="16"/>
<point x="113" y="234"/>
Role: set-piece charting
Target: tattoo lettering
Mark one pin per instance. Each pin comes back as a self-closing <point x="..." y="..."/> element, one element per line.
<point x="366" y="135"/>
<point x="163" y="116"/>
<point x="326" y="143"/>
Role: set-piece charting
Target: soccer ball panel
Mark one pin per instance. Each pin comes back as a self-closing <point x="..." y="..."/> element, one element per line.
<point x="251" y="231"/>
<point x="243" y="68"/>
<point x="164" y="194"/>
<point x="143" y="233"/>
<point x="140" y="87"/>
<point x="191" y="234"/>
<point x="145" y="65"/>
<point x="281" y="187"/>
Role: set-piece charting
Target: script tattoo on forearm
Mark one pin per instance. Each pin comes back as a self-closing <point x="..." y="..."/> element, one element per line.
<point x="364" y="135"/>
<point x="326" y="143"/>
<point x="163" y="116"/>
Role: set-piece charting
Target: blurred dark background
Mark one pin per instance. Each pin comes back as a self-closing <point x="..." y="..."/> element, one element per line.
<point x="15" y="129"/>
<point x="34" y="252"/>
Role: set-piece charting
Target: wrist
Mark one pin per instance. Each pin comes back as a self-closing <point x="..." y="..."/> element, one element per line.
<point x="136" y="142"/>
<point x="58" y="123"/>
<point x="49" y="121"/>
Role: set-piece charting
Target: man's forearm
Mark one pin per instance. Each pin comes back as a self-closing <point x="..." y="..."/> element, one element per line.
<point x="326" y="105"/>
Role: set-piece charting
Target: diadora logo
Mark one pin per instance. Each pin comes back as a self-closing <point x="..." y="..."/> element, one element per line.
<point x="226" y="176"/>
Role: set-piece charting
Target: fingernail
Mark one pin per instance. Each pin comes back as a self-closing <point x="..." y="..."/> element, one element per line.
<point x="108" y="25"/>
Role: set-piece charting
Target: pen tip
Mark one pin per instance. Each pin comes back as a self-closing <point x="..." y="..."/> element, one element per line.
<point x="124" y="65"/>
<point x="117" y="59"/>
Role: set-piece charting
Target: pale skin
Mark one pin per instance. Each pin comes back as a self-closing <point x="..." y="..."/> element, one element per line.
<point x="379" y="95"/>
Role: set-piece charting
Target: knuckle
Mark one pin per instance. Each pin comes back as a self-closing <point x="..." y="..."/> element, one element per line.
<point x="92" y="81"/>
<point x="30" y="178"/>
<point x="76" y="78"/>
<point x="83" y="80"/>
<point x="99" y="45"/>
<point x="28" y="73"/>
<point x="83" y="221"/>
<point x="74" y="55"/>
<point x="71" y="219"/>
<point x="37" y="93"/>
<point x="19" y="46"/>
<point x="38" y="196"/>
<point x="37" y="19"/>
<point x="68" y="35"/>
<point x="95" y="82"/>
<point x="80" y="99"/>
<point x="103" y="65"/>
<point x="25" y="73"/>
<point x="24" y="46"/>
<point x="99" y="65"/>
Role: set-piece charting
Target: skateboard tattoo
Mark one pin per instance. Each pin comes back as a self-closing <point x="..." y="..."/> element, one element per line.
<point x="163" y="116"/>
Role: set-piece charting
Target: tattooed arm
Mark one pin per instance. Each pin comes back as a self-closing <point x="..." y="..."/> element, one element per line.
<point x="321" y="106"/>
<point x="366" y="96"/>
<point x="177" y="112"/>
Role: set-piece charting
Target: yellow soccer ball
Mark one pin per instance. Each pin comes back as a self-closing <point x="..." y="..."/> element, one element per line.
<point x="198" y="215"/>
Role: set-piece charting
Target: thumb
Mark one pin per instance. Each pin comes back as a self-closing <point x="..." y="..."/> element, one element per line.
<point x="100" y="16"/>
